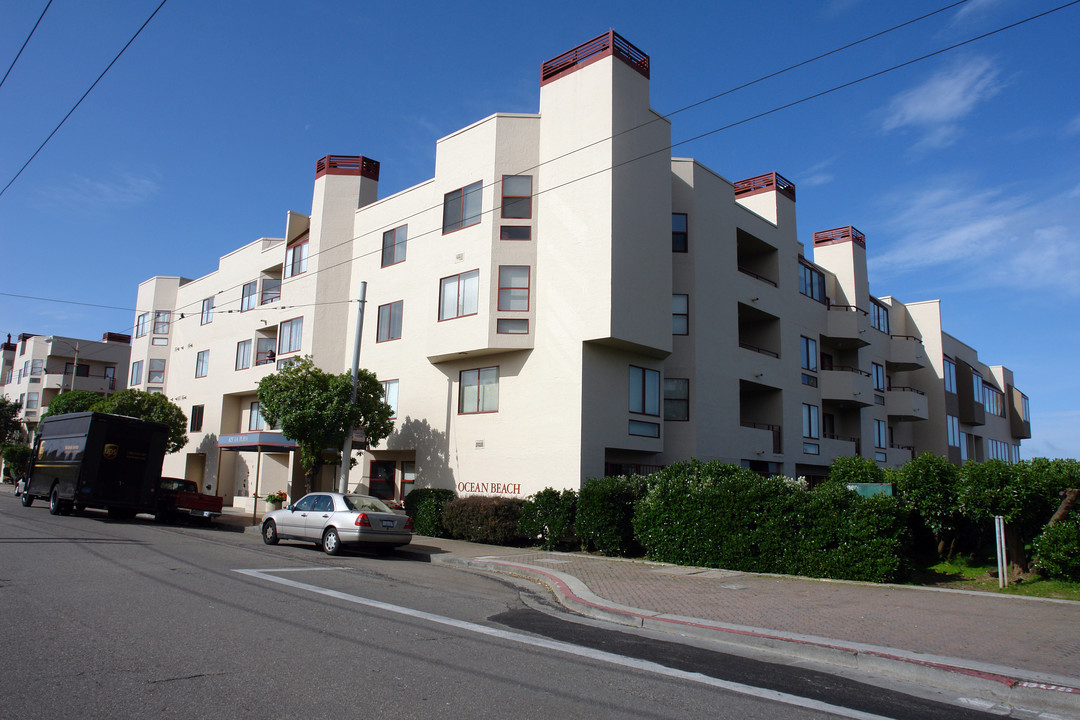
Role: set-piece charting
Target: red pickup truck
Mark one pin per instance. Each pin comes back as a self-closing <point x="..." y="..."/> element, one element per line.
<point x="182" y="497"/>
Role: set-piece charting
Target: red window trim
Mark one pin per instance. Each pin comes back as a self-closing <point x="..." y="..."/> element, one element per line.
<point x="438" y="311"/>
<point x="524" y="320"/>
<point x="383" y="384"/>
<point x="506" y="239"/>
<point x="477" y="371"/>
<point x="383" y="249"/>
<point x="378" y="320"/>
<point x="479" y="217"/>
<point x="254" y="295"/>
<point x="527" y="288"/>
<point x="502" y="204"/>
<point x="278" y="343"/>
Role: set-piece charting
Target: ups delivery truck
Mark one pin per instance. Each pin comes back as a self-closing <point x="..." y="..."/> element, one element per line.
<point x="97" y="460"/>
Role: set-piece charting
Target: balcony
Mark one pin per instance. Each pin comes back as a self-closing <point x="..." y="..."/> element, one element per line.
<point x="907" y="404"/>
<point x="846" y="386"/>
<point x="756" y="439"/>
<point x="94" y="383"/>
<point x="906" y="352"/>
<point x="846" y="326"/>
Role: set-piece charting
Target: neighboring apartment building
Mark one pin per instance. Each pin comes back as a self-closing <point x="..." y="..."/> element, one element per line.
<point x="564" y="300"/>
<point x="37" y="368"/>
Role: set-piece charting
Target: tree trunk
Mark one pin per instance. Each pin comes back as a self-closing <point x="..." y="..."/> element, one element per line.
<point x="1014" y="551"/>
<point x="1069" y="498"/>
<point x="312" y="473"/>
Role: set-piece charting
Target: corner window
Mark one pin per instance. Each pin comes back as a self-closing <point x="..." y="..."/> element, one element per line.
<point x="296" y="256"/>
<point x="393" y="246"/>
<point x="879" y="316"/>
<point x="207" y="315"/>
<point x="32" y="401"/>
<point x="142" y="324"/>
<point x="389" y="321"/>
<point x="479" y="391"/>
<point x="196" y="418"/>
<point x="517" y="196"/>
<point x="952" y="424"/>
<point x="880" y="434"/>
<point x="36" y="367"/>
<point x="878" y="372"/>
<point x="514" y="288"/>
<point x="161" y="322"/>
<point x="679" y="237"/>
<point x="461" y="208"/>
<point x="202" y="363"/>
<point x="680" y="314"/>
<point x="271" y="290"/>
<point x="810" y="421"/>
<point x="243" y="355"/>
<point x="249" y="295"/>
<point x="644" y="391"/>
<point x="156" y="372"/>
<point x="950" y="375"/>
<point x="289" y="334"/>
<point x="676" y="399"/>
<point x="136" y="373"/>
<point x="458" y="295"/>
<point x="390" y="389"/>
<point x="811" y="281"/>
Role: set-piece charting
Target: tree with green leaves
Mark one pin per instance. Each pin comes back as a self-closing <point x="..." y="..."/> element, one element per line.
<point x="11" y="429"/>
<point x="72" y="401"/>
<point x="16" y="460"/>
<point x="314" y="410"/>
<point x="929" y="483"/>
<point x="147" y="406"/>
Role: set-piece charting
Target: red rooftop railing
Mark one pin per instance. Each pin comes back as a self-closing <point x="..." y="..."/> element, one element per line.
<point x="840" y="234"/>
<point x="610" y="43"/>
<point x="765" y="183"/>
<point x="347" y="165"/>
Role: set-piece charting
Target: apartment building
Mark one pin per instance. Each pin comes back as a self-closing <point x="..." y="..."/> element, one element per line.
<point x="37" y="368"/>
<point x="563" y="299"/>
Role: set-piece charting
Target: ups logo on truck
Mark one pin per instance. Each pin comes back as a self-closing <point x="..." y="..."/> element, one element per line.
<point x="110" y="451"/>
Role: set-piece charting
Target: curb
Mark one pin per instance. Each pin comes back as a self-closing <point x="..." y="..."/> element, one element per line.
<point x="1008" y="686"/>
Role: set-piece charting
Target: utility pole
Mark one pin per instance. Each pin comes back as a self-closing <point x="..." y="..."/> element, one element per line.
<point x="346" y="451"/>
<point x="74" y="366"/>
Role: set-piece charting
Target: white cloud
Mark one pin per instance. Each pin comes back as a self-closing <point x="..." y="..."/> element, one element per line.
<point x="817" y="175"/>
<point x="935" y="107"/>
<point x="99" y="194"/>
<point x="1073" y="126"/>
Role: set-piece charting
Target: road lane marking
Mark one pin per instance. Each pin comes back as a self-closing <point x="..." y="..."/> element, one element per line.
<point x="562" y="647"/>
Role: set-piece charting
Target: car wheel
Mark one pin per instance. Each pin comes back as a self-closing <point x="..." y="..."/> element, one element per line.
<point x="269" y="533"/>
<point x="55" y="507"/>
<point x="27" y="499"/>
<point x="331" y="543"/>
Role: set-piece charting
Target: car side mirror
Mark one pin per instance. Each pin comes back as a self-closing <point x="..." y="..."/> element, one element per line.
<point x="291" y="507"/>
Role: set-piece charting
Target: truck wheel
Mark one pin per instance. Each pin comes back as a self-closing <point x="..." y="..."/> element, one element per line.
<point x="27" y="499"/>
<point x="331" y="543"/>
<point x="269" y="533"/>
<point x="55" y="506"/>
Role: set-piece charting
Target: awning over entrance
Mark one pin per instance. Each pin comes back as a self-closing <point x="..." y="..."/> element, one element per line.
<point x="256" y="442"/>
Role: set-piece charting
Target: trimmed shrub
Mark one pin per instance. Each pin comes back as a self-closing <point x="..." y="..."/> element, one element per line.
<point x="484" y="519"/>
<point x="549" y="516"/>
<point x="425" y="507"/>
<point x="1058" y="549"/>
<point x="605" y="514"/>
<point x="855" y="469"/>
<point x="16" y="460"/>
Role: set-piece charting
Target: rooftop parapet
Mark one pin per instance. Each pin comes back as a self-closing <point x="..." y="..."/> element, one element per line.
<point x="764" y="183"/>
<point x="839" y="235"/>
<point x="610" y="43"/>
<point x="347" y="165"/>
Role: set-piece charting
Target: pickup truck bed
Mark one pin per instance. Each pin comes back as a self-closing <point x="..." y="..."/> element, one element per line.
<point x="182" y="497"/>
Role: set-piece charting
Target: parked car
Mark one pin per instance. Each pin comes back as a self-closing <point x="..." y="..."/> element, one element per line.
<point x="180" y="497"/>
<point x="333" y="520"/>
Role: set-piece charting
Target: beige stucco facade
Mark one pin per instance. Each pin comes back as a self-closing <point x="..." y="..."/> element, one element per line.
<point x="540" y="337"/>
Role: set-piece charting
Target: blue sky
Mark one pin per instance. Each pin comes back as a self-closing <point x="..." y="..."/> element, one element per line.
<point x="962" y="170"/>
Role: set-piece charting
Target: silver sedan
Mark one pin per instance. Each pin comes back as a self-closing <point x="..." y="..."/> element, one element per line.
<point x="332" y="520"/>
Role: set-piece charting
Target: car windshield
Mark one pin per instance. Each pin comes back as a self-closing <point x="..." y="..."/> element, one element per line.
<point x="365" y="503"/>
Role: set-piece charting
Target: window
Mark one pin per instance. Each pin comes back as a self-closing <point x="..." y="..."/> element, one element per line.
<point x="393" y="246"/>
<point x="878" y="372"/>
<point x="811" y="281"/>
<point x="461" y="208"/>
<point x="644" y="429"/>
<point x="390" y="388"/>
<point x="644" y="391"/>
<point x="811" y="427"/>
<point x="676" y="399"/>
<point x="808" y="353"/>
<point x="142" y="324"/>
<point x="879" y="316"/>
<point x="296" y="257"/>
<point x="952" y="424"/>
<point x="159" y="341"/>
<point x="1025" y="408"/>
<point x="161" y="322"/>
<point x="976" y="386"/>
<point x="389" y="321"/>
<point x="458" y="295"/>
<point x="289" y="334"/>
<point x="680" y="314"/>
<point x="255" y="418"/>
<point x="35" y="367"/>
<point x="248" y="295"/>
<point x="80" y="370"/>
<point x="264" y="351"/>
<point x="31" y="401"/>
<point x="136" y="373"/>
<point x="207" y="315"/>
<point x="408" y="471"/>
<point x="996" y="449"/>
<point x="243" y="355"/>
<point x="271" y="290"/>
<point x="993" y="401"/>
<point x="514" y="288"/>
<point x="202" y="363"/>
<point x="966" y="441"/>
<point x="880" y="434"/>
<point x="512" y="326"/>
<point x="517" y="196"/>
<point x="196" y="418"/>
<point x="156" y="372"/>
<point x="479" y="391"/>
<point x="515" y="232"/>
<point x="950" y="376"/>
<point x="679" y="237"/>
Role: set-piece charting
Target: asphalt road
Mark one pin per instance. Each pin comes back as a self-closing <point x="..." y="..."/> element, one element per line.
<point x="109" y="619"/>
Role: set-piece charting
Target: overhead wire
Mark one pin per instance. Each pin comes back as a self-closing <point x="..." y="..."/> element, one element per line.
<point x="27" y="40"/>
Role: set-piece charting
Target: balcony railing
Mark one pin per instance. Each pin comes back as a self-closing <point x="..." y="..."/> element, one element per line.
<point x="840" y="234"/>
<point x="610" y="43"/>
<point x="765" y="183"/>
<point x="347" y="165"/>
<point x="613" y="469"/>
<point x="776" y="430"/>
<point x="753" y="274"/>
<point x="755" y="348"/>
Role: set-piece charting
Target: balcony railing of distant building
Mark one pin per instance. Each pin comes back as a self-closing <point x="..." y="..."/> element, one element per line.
<point x="755" y="348"/>
<point x="905" y="388"/>
<point x="610" y="43"/>
<point x="753" y="274"/>
<point x="66" y="375"/>
<point x="909" y="448"/>
<point x="615" y="469"/>
<point x="776" y="430"/>
<point x="847" y="308"/>
<point x="765" y="183"/>
<point x="840" y="234"/>
<point x="845" y="368"/>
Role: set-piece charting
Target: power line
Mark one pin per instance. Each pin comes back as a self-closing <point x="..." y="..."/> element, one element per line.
<point x="76" y="105"/>
<point x="19" y="54"/>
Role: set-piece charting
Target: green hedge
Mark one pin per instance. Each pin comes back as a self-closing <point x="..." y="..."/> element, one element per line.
<point x="605" y="514"/>
<point x="548" y="516"/>
<point x="1058" y="549"/>
<point x="425" y="507"/>
<point x="484" y="519"/>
